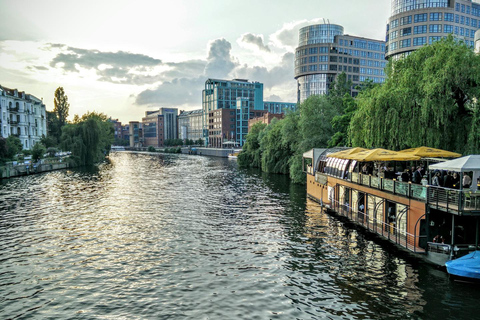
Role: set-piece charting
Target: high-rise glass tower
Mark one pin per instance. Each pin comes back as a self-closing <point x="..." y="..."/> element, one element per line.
<point x="414" y="23"/>
<point x="324" y="51"/>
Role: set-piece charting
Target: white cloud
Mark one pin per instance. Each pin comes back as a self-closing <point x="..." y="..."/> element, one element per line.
<point x="250" y="40"/>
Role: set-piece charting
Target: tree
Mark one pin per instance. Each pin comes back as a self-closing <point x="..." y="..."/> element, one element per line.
<point x="38" y="151"/>
<point x="3" y="149"/>
<point x="429" y="98"/>
<point x="251" y="155"/>
<point x="89" y="138"/>
<point x="61" y="106"/>
<point x="14" y="146"/>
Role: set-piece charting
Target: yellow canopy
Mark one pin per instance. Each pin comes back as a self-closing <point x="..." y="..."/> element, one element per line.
<point x="426" y="152"/>
<point x="342" y="154"/>
<point x="381" y="155"/>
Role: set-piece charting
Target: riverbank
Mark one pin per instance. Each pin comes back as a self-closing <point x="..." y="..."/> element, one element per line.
<point x="211" y="152"/>
<point x="12" y="170"/>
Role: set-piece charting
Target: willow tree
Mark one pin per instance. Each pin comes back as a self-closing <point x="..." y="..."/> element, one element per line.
<point x="251" y="155"/>
<point x="88" y="138"/>
<point x="429" y="98"/>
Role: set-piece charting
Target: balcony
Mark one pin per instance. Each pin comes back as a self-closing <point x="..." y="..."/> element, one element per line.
<point x="13" y="109"/>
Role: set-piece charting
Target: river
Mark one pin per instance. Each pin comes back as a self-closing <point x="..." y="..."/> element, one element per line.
<point x="190" y="237"/>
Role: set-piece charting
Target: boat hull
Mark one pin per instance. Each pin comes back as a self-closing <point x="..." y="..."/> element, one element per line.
<point x="466" y="267"/>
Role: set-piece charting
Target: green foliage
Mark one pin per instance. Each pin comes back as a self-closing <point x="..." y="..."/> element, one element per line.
<point x="173" y="142"/>
<point x="151" y="149"/>
<point x="49" y="141"/>
<point x="38" y="151"/>
<point x="62" y="106"/>
<point x="428" y="99"/>
<point x="173" y="150"/>
<point x="3" y="149"/>
<point x="14" y="146"/>
<point x="251" y="155"/>
<point x="200" y="142"/>
<point x="341" y="122"/>
<point x="89" y="138"/>
<point x="51" y="151"/>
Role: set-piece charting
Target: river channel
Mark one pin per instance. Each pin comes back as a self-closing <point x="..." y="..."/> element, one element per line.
<point x="190" y="237"/>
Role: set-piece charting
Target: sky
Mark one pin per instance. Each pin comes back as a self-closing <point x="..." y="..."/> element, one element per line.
<point x="124" y="57"/>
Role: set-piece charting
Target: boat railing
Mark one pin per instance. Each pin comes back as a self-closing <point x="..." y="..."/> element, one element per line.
<point x="453" y="200"/>
<point x="388" y="230"/>
<point x="405" y="189"/>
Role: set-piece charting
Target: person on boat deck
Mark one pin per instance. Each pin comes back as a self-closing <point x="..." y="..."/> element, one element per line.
<point x="456" y="180"/>
<point x="417" y="175"/>
<point x="448" y="180"/>
<point x="467" y="181"/>
<point x="438" y="239"/>
<point x="436" y="179"/>
<point x="405" y="176"/>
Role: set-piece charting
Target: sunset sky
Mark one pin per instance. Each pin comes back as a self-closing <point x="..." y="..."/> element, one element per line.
<point x="125" y="57"/>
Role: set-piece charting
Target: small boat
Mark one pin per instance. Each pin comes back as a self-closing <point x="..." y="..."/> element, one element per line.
<point x="233" y="155"/>
<point x="467" y="266"/>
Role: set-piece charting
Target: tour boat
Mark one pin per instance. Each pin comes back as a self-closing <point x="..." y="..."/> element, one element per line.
<point x="437" y="223"/>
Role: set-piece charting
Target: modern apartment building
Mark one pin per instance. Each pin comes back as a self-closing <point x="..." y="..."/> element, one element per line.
<point x="227" y="105"/>
<point x="414" y="23"/>
<point x="135" y="134"/>
<point x="324" y="52"/>
<point x="190" y="125"/>
<point x="158" y="126"/>
<point x="22" y="115"/>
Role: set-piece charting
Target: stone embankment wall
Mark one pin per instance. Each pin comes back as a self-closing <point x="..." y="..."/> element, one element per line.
<point x="10" y="170"/>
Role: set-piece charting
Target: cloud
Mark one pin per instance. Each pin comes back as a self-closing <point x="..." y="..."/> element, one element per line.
<point x="183" y="91"/>
<point x="255" y="40"/>
<point x="280" y="74"/>
<point x="273" y="97"/>
<point x="115" y="67"/>
<point x="287" y="36"/>
<point x="219" y="61"/>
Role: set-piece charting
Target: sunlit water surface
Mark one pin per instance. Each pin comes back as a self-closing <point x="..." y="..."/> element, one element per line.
<point x="190" y="237"/>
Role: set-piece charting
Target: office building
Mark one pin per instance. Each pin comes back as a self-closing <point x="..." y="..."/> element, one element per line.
<point x="227" y="105"/>
<point x="22" y="115"/>
<point x="135" y="134"/>
<point x="324" y="52"/>
<point x="190" y="125"/>
<point x="414" y="23"/>
<point x="158" y="126"/>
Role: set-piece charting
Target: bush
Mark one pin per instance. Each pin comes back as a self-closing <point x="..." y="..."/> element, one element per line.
<point x="151" y="149"/>
<point x="38" y="151"/>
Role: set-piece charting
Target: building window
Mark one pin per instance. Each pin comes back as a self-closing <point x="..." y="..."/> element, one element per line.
<point x="436" y="16"/>
<point x="406" y="31"/>
<point x="420" y="17"/>
<point x="393" y="35"/>
<point x="405" y="43"/>
<point x="405" y="20"/>
<point x="420" y="29"/>
<point x="448" y="17"/>
<point x="420" y="41"/>
<point x="435" y="28"/>
<point x="433" y="39"/>
<point x="394" y="24"/>
<point x="447" y="28"/>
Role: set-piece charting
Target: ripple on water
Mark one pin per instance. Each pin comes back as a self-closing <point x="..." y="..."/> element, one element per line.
<point x="185" y="237"/>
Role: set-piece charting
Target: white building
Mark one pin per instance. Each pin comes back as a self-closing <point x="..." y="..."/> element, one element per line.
<point x="22" y="115"/>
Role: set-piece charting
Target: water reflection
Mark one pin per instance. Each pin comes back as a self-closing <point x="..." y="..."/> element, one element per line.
<point x="174" y="236"/>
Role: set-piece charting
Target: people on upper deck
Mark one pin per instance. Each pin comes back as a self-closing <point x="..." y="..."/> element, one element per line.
<point x="436" y="179"/>
<point x="456" y="180"/>
<point x="417" y="175"/>
<point x="448" y="180"/>
<point x="405" y="175"/>
<point x="467" y="181"/>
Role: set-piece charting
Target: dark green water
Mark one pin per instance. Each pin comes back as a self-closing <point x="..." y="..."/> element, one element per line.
<point x="189" y="237"/>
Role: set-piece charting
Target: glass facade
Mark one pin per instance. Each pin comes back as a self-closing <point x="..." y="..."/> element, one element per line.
<point x="318" y="62"/>
<point x="399" y="6"/>
<point x="319" y="33"/>
<point x="435" y="19"/>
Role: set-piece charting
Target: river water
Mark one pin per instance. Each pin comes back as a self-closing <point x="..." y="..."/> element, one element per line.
<point x="190" y="237"/>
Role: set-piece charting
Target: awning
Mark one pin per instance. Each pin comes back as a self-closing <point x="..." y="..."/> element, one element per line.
<point x="381" y="155"/>
<point x="426" y="152"/>
<point x="344" y="153"/>
<point x="463" y="164"/>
